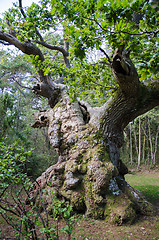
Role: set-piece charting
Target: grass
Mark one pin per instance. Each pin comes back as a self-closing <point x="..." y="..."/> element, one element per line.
<point x="147" y="184"/>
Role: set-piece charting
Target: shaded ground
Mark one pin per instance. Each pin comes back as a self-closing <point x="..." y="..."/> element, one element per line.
<point x="144" y="228"/>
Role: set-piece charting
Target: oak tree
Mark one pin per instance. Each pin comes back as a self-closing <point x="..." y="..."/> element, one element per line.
<point x="84" y="52"/>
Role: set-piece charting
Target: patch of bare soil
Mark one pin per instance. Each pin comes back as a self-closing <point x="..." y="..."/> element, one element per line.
<point x="144" y="228"/>
<point x="145" y="170"/>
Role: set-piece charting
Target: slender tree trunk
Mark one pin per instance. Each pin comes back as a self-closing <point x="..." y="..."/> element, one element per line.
<point x="148" y="153"/>
<point x="145" y="156"/>
<point x="18" y="112"/>
<point x="143" y="149"/>
<point x="150" y="141"/>
<point x="156" y="144"/>
<point x="139" y="152"/>
<point x="131" y="158"/>
<point x="135" y="138"/>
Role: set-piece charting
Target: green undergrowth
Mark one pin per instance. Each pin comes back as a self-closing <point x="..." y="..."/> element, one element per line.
<point x="146" y="227"/>
<point x="147" y="184"/>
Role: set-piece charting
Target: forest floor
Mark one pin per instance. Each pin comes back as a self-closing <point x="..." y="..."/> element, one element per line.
<point x="145" y="228"/>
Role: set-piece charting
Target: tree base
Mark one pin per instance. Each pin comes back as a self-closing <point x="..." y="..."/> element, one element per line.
<point x="97" y="192"/>
<point x="89" y="173"/>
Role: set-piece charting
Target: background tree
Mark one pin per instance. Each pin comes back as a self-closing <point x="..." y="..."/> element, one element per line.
<point x="149" y="140"/>
<point x="89" y="172"/>
<point x="17" y="105"/>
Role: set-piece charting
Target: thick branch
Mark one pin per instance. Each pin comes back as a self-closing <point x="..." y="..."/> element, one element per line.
<point x="26" y="47"/>
<point x="125" y="72"/>
<point x="121" y="110"/>
<point x="53" y="93"/>
<point x="136" y="97"/>
<point x="58" y="48"/>
<point x="148" y="98"/>
<point x="46" y="88"/>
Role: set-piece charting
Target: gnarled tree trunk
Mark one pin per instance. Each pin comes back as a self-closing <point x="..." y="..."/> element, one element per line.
<point x="89" y="172"/>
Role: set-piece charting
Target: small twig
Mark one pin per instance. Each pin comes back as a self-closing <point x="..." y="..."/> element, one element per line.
<point x="137" y="34"/>
<point x="36" y="208"/>
<point x="22" y="86"/>
<point x="132" y="34"/>
<point x="6" y="44"/>
<point x="21" y="9"/>
<point x="24" y="15"/>
<point x="47" y="221"/>
<point x="10" y="224"/>
<point x="3" y="191"/>
<point x="102" y="62"/>
<point x="103" y="86"/>
<point x="20" y="229"/>
<point x="29" y="221"/>
<point x="11" y="29"/>
<point x="108" y="64"/>
<point x="17" y="203"/>
<point x="102" y="50"/>
<point x="42" y="220"/>
<point x="6" y="209"/>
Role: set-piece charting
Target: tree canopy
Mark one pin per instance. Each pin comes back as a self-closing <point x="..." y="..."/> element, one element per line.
<point x="83" y="36"/>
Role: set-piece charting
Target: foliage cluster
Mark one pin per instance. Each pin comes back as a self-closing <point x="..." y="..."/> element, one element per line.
<point x="89" y="24"/>
<point x="13" y="160"/>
